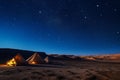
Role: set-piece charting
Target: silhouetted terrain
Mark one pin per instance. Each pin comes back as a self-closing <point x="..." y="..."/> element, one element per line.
<point x="6" y="54"/>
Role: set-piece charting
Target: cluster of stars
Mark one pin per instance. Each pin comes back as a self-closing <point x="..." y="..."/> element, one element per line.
<point x="84" y="14"/>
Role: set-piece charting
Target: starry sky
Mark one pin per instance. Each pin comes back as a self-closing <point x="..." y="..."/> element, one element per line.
<point x="80" y="27"/>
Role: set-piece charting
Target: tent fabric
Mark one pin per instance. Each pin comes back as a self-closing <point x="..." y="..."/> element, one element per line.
<point x="19" y="59"/>
<point x="35" y="59"/>
<point x="46" y="60"/>
<point x="16" y="61"/>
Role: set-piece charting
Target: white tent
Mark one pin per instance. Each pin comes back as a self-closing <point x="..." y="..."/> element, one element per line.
<point x="35" y="59"/>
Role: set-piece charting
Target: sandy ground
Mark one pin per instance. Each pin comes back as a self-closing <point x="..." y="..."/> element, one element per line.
<point x="71" y="71"/>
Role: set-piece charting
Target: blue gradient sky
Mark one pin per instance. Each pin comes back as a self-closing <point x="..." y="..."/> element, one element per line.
<point x="80" y="27"/>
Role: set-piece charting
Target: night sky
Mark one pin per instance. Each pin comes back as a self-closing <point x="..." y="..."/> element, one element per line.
<point x="80" y="27"/>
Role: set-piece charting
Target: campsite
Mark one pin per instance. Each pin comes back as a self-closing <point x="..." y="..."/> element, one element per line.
<point x="57" y="67"/>
<point x="59" y="39"/>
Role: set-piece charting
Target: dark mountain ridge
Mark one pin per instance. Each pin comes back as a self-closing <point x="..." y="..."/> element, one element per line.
<point x="7" y="53"/>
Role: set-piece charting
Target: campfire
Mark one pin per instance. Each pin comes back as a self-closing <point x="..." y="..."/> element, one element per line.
<point x="11" y="62"/>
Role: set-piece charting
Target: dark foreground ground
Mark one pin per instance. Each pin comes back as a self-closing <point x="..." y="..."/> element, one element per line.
<point x="71" y="70"/>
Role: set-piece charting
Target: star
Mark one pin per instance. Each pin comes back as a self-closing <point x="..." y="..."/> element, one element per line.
<point x="97" y="5"/>
<point x="118" y="32"/>
<point x="101" y="14"/>
<point x="85" y="17"/>
<point x="40" y="12"/>
<point x="115" y="9"/>
<point x="66" y="15"/>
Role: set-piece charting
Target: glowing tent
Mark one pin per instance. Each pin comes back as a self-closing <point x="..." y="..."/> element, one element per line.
<point x="16" y="61"/>
<point x="11" y="62"/>
<point x="35" y="59"/>
<point x="47" y="59"/>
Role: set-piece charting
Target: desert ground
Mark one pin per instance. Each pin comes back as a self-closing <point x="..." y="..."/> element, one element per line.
<point x="68" y="70"/>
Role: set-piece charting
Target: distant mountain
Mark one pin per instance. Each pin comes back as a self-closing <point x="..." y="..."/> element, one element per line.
<point x="110" y="57"/>
<point x="7" y="53"/>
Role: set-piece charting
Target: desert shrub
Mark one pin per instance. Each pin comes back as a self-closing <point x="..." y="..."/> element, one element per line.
<point x="28" y="69"/>
<point x="60" y="77"/>
<point x="34" y="77"/>
<point x="51" y="74"/>
<point x="38" y="73"/>
<point x="19" y="70"/>
<point x="6" y="73"/>
<point x="10" y="72"/>
<point x="47" y="71"/>
<point x="105" y="73"/>
<point x="78" y="77"/>
<point x="72" y="73"/>
<point x="60" y="71"/>
<point x="25" y="79"/>
<point x="92" y="77"/>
